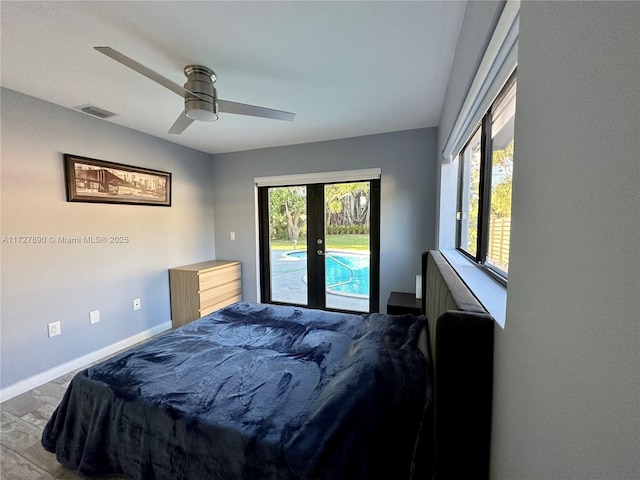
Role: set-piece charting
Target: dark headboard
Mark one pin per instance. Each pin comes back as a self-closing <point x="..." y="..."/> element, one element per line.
<point x="461" y="344"/>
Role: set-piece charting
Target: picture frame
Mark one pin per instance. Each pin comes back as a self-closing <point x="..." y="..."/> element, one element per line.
<point x="99" y="181"/>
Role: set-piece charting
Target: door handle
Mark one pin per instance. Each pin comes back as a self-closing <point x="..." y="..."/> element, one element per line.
<point x="320" y="252"/>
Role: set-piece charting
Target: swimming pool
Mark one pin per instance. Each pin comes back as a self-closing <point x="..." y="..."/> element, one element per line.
<point x="346" y="272"/>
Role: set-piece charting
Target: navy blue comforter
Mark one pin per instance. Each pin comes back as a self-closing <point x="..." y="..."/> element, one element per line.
<point x="252" y="392"/>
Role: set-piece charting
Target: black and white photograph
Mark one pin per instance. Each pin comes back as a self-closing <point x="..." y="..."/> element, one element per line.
<point x="90" y="180"/>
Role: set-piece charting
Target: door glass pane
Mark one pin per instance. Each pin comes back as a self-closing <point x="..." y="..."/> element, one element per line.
<point x="470" y="197"/>
<point x="288" y="244"/>
<point x="347" y="248"/>
<point x="501" y="177"/>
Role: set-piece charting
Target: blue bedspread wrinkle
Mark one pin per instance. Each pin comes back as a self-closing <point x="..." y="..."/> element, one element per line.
<point x="252" y="391"/>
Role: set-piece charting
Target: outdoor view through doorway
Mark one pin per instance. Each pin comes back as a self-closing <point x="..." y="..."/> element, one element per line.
<point x="319" y="245"/>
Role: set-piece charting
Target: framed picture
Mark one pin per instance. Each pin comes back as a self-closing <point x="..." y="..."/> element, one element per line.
<point x="97" y="181"/>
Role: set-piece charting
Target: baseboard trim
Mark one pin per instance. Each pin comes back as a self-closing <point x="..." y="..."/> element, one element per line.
<point x="23" y="386"/>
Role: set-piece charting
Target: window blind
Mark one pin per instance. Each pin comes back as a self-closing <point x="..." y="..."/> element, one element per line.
<point x="497" y="65"/>
<point x="321" y="177"/>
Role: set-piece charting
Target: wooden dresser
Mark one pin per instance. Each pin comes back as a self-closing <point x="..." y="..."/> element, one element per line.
<point x="202" y="288"/>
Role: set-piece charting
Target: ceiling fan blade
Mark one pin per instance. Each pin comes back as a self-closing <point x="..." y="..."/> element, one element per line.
<point x="147" y="72"/>
<point x="252" y="110"/>
<point x="181" y="123"/>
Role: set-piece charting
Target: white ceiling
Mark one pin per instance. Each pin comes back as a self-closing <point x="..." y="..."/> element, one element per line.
<point x="345" y="68"/>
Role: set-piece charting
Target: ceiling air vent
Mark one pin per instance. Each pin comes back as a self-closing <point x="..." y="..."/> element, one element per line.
<point x="95" y="111"/>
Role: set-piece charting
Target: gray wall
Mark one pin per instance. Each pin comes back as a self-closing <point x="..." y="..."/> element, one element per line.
<point x="42" y="283"/>
<point x="567" y="364"/>
<point x="568" y="361"/>
<point x="407" y="160"/>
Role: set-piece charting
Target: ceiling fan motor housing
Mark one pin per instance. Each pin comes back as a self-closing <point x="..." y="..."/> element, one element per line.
<point x="200" y="81"/>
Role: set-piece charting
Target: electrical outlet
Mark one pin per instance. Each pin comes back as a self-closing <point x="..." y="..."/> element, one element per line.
<point x="94" y="317"/>
<point x="54" y="329"/>
<point x="232" y="235"/>
<point x="136" y="304"/>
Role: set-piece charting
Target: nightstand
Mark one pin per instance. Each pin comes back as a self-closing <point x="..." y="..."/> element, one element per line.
<point x="400" y="303"/>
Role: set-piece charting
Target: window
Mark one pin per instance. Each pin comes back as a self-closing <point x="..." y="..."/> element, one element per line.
<point x="484" y="200"/>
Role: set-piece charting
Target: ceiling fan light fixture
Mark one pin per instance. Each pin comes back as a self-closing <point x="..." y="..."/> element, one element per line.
<point x="202" y="115"/>
<point x="201" y="109"/>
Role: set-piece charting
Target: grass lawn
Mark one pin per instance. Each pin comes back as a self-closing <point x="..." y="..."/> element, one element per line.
<point x="339" y="242"/>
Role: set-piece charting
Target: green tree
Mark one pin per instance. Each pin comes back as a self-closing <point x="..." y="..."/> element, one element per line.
<point x="501" y="199"/>
<point x="347" y="204"/>
<point x="504" y="159"/>
<point x="501" y="191"/>
<point x="287" y="212"/>
<point x="502" y="162"/>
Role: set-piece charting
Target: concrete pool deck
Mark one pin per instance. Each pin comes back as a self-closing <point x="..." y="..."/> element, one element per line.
<point x="287" y="285"/>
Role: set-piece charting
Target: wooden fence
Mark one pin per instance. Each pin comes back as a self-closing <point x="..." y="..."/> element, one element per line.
<point x="499" y="239"/>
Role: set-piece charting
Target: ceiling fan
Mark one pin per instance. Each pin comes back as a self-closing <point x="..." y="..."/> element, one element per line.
<point x="200" y="99"/>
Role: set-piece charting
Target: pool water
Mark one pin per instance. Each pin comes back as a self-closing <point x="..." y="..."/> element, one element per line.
<point x="346" y="273"/>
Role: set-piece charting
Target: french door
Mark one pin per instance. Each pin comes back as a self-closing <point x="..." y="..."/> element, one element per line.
<point x="319" y="245"/>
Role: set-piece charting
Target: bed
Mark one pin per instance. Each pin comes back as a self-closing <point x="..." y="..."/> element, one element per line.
<point x="256" y="391"/>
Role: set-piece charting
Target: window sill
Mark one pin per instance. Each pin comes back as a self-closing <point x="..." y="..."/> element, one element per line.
<point x="491" y="294"/>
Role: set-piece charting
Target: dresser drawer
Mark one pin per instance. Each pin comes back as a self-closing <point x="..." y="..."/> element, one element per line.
<point x="220" y="305"/>
<point x="219" y="276"/>
<point x="219" y="294"/>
